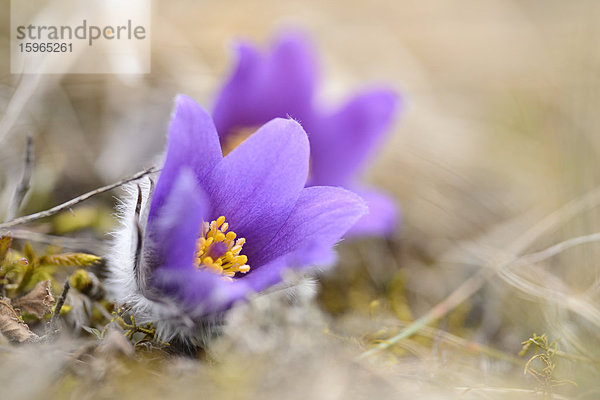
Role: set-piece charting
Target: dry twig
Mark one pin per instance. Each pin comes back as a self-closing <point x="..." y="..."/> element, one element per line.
<point x="54" y="210"/>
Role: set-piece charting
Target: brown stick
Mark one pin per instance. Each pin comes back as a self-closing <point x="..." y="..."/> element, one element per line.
<point x="55" y="210"/>
<point x="59" y="305"/>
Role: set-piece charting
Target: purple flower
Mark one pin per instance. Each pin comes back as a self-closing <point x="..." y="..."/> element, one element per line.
<point x="282" y="83"/>
<point x="216" y="229"/>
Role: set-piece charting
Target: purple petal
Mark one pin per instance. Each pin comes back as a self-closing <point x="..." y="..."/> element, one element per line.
<point x="171" y="238"/>
<point x="320" y="218"/>
<point x="199" y="292"/>
<point x="193" y="143"/>
<point x="264" y="86"/>
<point x="342" y="142"/>
<point x="382" y="219"/>
<point x="272" y="273"/>
<point x="256" y="186"/>
<point x="293" y="73"/>
<point x="234" y="105"/>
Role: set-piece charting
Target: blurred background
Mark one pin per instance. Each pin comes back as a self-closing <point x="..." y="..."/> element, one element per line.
<point x="498" y="134"/>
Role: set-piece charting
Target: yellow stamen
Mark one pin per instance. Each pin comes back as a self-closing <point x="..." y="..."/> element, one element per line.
<point x="218" y="250"/>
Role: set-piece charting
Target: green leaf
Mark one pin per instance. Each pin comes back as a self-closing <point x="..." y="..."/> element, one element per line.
<point x="29" y="253"/>
<point x="5" y="242"/>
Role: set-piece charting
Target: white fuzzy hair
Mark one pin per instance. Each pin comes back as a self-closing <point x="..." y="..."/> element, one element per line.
<point x="127" y="287"/>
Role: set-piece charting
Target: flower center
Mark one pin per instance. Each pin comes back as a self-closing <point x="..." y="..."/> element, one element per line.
<point x="218" y="250"/>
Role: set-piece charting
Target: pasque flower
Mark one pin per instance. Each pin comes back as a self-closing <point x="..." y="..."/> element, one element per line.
<point x="215" y="229"/>
<point x="282" y="82"/>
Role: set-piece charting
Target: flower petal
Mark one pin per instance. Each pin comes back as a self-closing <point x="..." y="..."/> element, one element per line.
<point x="199" y="292"/>
<point x="342" y="142"/>
<point x="193" y="143"/>
<point x="273" y="272"/>
<point x="321" y="217"/>
<point x="171" y="238"/>
<point x="256" y="186"/>
<point x="264" y="86"/>
<point x="383" y="218"/>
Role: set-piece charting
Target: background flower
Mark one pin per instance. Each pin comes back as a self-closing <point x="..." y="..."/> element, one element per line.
<point x="282" y="82"/>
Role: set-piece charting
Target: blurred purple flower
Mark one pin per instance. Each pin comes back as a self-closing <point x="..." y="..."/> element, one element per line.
<point x="219" y="228"/>
<point x="281" y="83"/>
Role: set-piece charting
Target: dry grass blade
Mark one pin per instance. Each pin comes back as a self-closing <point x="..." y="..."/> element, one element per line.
<point x="498" y="264"/>
<point x="544" y="292"/>
<point x="558" y="248"/>
<point x="542" y="285"/>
